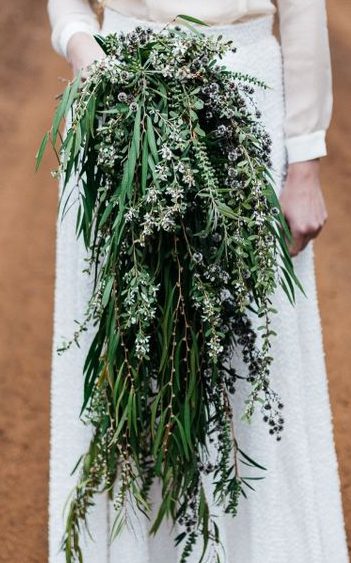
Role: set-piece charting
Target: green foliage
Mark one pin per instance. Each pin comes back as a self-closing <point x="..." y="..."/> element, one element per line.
<point x="185" y="234"/>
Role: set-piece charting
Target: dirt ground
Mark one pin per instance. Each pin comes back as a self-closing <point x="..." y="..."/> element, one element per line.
<point x="30" y="77"/>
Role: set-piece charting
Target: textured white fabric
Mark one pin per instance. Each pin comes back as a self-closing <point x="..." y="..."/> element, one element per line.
<point x="295" y="514"/>
<point x="305" y="46"/>
<point x="306" y="147"/>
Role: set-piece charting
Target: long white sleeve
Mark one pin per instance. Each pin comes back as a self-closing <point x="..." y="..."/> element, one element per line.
<point x="307" y="76"/>
<point x="68" y="17"/>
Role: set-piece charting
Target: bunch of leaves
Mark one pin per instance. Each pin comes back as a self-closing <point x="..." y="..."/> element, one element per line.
<point x="177" y="207"/>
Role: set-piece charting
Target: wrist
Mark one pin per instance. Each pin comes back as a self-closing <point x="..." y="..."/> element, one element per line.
<point x="304" y="170"/>
<point x="77" y="44"/>
<point x="82" y="51"/>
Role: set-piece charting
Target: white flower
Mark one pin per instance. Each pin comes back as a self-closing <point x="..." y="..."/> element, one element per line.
<point x="131" y="214"/>
<point x="151" y="195"/>
<point x="167" y="222"/>
<point x="180" y="167"/>
<point x="167" y="71"/>
<point x="166" y="153"/>
<point x="161" y="172"/>
<point x="198" y="257"/>
<point x="189" y="178"/>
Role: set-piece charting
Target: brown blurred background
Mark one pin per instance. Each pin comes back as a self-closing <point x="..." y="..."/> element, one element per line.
<point x="29" y="80"/>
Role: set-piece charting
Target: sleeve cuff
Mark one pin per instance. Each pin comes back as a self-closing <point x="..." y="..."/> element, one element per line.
<point x="60" y="41"/>
<point x="306" y="147"/>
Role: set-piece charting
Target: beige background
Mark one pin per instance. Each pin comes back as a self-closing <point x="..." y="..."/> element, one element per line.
<point x="29" y="79"/>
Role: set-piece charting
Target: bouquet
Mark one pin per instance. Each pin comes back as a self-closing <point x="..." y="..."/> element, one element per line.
<point x="185" y="236"/>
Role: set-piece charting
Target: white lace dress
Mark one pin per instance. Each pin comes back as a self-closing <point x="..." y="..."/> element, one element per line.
<point x="295" y="514"/>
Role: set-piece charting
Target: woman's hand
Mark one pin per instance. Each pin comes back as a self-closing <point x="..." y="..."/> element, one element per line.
<point x="83" y="50"/>
<point x="303" y="203"/>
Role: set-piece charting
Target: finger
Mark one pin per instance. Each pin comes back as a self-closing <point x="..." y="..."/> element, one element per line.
<point x="289" y="241"/>
<point x="308" y="238"/>
<point x="304" y="243"/>
<point x="311" y="236"/>
<point x="297" y="244"/>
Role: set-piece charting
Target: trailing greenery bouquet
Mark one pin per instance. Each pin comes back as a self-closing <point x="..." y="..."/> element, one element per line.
<point x="185" y="236"/>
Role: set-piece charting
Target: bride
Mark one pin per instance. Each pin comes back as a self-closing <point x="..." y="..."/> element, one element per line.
<point x="295" y="514"/>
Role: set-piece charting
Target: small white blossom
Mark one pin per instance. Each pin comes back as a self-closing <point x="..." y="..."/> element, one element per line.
<point x="166" y="153"/>
<point x="161" y="172"/>
<point x="131" y="214"/>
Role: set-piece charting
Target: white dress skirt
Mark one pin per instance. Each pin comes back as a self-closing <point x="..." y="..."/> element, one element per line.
<point x="295" y="513"/>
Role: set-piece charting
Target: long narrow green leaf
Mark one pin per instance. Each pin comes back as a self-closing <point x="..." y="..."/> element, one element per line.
<point x="151" y="138"/>
<point x="137" y="131"/>
<point x="183" y="438"/>
<point x="41" y="150"/>
<point x="144" y="166"/>
<point x="60" y="112"/>
<point x="192" y="20"/>
<point x="250" y="460"/>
